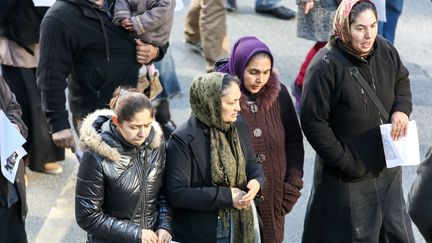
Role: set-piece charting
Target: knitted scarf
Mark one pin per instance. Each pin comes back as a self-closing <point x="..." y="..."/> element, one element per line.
<point x="228" y="164"/>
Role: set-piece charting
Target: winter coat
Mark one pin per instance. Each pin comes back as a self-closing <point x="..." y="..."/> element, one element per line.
<point x="152" y="19"/>
<point x="318" y="23"/>
<point x="79" y="38"/>
<point x="109" y="186"/>
<point x="12" y="110"/>
<point x="420" y="200"/>
<point x="277" y="140"/>
<point x="189" y="185"/>
<point x="339" y="119"/>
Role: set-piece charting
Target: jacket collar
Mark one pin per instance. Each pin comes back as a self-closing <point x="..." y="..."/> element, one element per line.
<point x="97" y="134"/>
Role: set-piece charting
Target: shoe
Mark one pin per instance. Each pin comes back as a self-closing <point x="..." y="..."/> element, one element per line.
<point x="52" y="168"/>
<point x="296" y="91"/>
<point x="195" y="47"/>
<point x="279" y="12"/>
<point x="231" y="6"/>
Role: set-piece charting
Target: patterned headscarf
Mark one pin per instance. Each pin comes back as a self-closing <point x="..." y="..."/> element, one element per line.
<point x="341" y="22"/>
<point x="244" y="49"/>
<point x="228" y="164"/>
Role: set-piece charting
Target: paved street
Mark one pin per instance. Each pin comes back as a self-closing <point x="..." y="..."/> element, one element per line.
<point x="51" y="215"/>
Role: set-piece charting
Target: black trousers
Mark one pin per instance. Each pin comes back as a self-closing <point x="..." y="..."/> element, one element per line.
<point x="12" y="227"/>
<point x="39" y="146"/>
<point x="368" y="211"/>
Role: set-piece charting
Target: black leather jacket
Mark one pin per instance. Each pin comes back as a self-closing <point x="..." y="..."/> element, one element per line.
<point x="108" y="185"/>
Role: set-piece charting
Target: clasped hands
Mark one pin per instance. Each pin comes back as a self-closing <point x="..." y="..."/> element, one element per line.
<point x="241" y="199"/>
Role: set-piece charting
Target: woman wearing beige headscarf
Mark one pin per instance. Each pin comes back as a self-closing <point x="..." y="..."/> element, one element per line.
<point x="355" y="198"/>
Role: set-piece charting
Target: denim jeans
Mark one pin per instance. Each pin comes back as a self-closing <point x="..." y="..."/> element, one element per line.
<point x="168" y="76"/>
<point x="393" y="11"/>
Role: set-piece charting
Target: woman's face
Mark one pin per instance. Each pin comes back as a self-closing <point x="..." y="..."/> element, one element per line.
<point x="257" y="73"/>
<point x="364" y="31"/>
<point x="136" y="130"/>
<point x="231" y="104"/>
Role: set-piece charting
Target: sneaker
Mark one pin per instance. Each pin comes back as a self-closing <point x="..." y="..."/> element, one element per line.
<point x="52" y="168"/>
<point x="195" y="47"/>
<point x="231" y="6"/>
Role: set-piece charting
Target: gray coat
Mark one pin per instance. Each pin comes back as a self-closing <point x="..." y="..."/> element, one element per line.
<point x="318" y="23"/>
<point x="152" y="19"/>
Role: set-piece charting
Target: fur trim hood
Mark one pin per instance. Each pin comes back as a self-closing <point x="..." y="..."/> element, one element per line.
<point x="267" y="96"/>
<point x="91" y="138"/>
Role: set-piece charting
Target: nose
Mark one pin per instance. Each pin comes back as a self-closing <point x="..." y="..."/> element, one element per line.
<point x="141" y="132"/>
<point x="367" y="33"/>
<point x="237" y="107"/>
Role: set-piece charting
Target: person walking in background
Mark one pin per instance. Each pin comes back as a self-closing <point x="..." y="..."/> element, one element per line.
<point x="78" y="38"/>
<point x="206" y="31"/>
<point x="19" y="56"/>
<point x="274" y="131"/>
<point x="150" y="21"/>
<point x="314" y="23"/>
<point x="272" y="7"/>
<point x="212" y="174"/>
<point x="387" y="29"/>
<point x="354" y="196"/>
<point x="13" y="204"/>
<point x="119" y="190"/>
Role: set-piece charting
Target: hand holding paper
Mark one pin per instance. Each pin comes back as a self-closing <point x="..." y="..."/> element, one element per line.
<point x="404" y="151"/>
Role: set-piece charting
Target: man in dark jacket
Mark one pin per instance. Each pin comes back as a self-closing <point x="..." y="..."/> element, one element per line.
<point x="13" y="206"/>
<point x="78" y="38"/>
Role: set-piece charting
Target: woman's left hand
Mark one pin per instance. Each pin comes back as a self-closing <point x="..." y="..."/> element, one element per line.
<point x="163" y="236"/>
<point x="253" y="186"/>
<point x="399" y="122"/>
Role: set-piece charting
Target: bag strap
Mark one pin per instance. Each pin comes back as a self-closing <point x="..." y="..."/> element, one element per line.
<point x="353" y="70"/>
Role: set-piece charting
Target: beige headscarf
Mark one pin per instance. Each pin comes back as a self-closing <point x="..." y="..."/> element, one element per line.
<point x="228" y="165"/>
<point x="341" y="24"/>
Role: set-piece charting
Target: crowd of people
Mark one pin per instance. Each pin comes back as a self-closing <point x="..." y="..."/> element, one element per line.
<point x="234" y="169"/>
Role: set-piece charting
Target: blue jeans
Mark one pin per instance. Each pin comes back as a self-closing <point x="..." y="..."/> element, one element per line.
<point x="168" y="76"/>
<point x="267" y="4"/>
<point x="393" y="11"/>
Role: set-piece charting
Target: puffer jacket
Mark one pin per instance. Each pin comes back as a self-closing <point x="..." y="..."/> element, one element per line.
<point x="108" y="185"/>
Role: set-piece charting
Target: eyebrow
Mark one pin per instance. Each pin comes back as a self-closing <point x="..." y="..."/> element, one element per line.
<point x="366" y="25"/>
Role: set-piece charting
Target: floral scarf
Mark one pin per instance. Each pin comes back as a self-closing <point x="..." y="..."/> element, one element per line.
<point x="341" y="25"/>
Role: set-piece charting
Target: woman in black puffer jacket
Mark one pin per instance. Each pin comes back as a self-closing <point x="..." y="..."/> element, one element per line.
<point x="119" y="195"/>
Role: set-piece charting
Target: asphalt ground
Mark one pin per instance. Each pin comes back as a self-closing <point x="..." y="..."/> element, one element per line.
<point x="51" y="216"/>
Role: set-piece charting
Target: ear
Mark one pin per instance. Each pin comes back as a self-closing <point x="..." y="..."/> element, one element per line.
<point x="115" y="120"/>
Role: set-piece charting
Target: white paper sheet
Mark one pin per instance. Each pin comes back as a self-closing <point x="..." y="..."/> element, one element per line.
<point x="404" y="151"/>
<point x="43" y="3"/>
<point x="11" y="150"/>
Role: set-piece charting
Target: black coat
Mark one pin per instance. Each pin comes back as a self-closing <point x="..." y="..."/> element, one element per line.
<point x="79" y="38"/>
<point x="20" y="21"/>
<point x="339" y="119"/>
<point x="109" y="186"/>
<point x="13" y="112"/>
<point x="188" y="181"/>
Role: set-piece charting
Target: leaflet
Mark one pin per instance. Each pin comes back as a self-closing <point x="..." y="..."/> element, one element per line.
<point x="404" y="151"/>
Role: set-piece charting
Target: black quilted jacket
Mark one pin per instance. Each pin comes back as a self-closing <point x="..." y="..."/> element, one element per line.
<point x="109" y="186"/>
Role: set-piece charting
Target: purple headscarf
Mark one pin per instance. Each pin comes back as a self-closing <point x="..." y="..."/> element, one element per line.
<point x="244" y="49"/>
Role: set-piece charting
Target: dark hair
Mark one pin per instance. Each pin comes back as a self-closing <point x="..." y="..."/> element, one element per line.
<point x="359" y="8"/>
<point x="228" y="81"/>
<point x="127" y="102"/>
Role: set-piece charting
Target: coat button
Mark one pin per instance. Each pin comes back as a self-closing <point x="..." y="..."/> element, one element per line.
<point x="253" y="108"/>
<point x="261" y="157"/>
<point x="257" y="132"/>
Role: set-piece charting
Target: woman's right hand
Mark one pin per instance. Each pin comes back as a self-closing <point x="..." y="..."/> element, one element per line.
<point x="237" y="195"/>
<point x="148" y="236"/>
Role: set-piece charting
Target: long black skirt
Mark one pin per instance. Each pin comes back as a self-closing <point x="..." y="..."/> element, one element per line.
<point x="39" y="146"/>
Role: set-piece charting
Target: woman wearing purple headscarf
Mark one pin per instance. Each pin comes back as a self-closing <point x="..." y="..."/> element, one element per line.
<point x="273" y="128"/>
